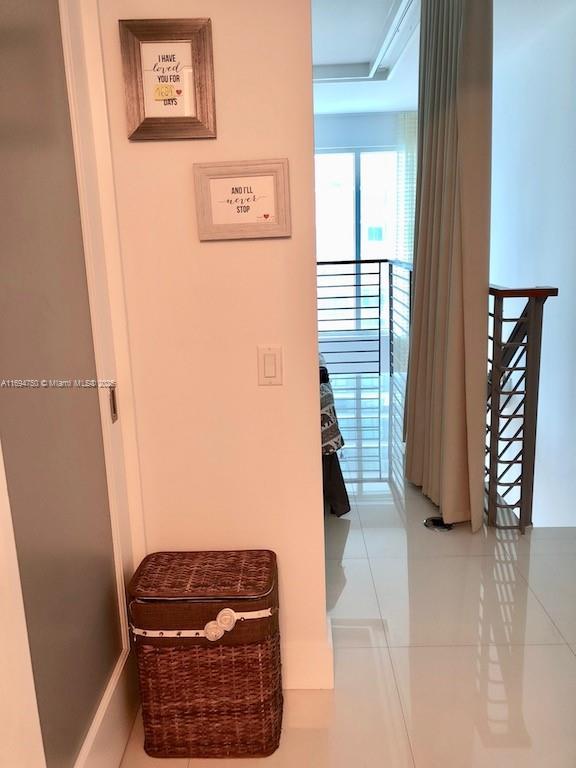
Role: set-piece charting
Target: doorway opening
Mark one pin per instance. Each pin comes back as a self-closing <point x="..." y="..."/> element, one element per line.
<point x="365" y="103"/>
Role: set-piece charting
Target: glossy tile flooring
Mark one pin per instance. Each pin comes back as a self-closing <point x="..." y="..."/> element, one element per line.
<point x="477" y="633"/>
<point x="452" y="650"/>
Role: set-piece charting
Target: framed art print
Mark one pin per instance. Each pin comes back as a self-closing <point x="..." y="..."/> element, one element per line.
<point x="168" y="78"/>
<point x="245" y="199"/>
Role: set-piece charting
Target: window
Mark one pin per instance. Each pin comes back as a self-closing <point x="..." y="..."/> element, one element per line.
<point x="363" y="208"/>
<point x="365" y="204"/>
<point x="378" y="209"/>
<point x="335" y="206"/>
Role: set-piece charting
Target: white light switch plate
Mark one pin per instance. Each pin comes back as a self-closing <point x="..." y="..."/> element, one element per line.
<point x="269" y="366"/>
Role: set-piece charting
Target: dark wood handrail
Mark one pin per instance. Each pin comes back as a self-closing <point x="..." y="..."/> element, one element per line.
<point x="538" y="292"/>
<point x="520" y="330"/>
<point x="395" y="262"/>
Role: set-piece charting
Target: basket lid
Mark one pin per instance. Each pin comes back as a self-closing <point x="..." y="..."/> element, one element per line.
<point x="200" y="575"/>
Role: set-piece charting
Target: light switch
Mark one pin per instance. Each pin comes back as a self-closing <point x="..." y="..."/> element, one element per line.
<point x="269" y="366"/>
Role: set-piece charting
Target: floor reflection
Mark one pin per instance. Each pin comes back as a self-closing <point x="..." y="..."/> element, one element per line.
<point x="362" y="405"/>
<point x="474" y="625"/>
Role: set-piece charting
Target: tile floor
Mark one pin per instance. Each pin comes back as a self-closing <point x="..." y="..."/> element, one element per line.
<point x="452" y="650"/>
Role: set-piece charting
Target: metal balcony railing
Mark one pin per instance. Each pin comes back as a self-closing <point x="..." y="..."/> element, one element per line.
<point x="363" y="329"/>
<point x="363" y="311"/>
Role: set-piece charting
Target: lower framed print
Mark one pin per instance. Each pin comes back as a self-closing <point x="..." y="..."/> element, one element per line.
<point x="245" y="199"/>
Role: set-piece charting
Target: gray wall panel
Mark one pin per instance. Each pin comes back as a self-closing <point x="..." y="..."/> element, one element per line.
<point x="51" y="437"/>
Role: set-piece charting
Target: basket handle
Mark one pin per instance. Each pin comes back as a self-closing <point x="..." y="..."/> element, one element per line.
<point x="214" y="630"/>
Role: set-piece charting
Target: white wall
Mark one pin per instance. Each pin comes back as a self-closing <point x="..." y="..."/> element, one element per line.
<point x="533" y="215"/>
<point x="378" y="129"/>
<point x="226" y="463"/>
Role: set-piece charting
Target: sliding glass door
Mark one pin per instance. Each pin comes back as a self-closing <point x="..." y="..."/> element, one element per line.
<point x="364" y="218"/>
<point x="357" y="206"/>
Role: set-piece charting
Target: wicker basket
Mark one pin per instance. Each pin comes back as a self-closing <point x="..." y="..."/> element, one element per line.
<point x="205" y="628"/>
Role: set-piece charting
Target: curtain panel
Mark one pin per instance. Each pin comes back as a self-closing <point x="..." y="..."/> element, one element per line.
<point x="446" y="388"/>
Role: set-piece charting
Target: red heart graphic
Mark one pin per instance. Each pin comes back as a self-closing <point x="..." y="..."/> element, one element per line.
<point x="266" y="215"/>
<point x="178" y="92"/>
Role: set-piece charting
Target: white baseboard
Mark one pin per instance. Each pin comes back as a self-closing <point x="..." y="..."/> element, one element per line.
<point x="106" y="741"/>
<point x="307" y="666"/>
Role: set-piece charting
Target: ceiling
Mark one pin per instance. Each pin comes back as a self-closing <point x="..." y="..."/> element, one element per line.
<point x="365" y="55"/>
<point x="347" y="32"/>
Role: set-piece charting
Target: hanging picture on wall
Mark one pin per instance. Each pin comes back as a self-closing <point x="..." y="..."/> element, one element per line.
<point x="245" y="199"/>
<point x="168" y="78"/>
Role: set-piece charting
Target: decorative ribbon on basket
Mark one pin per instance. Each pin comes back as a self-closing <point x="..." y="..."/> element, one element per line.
<point x="214" y="630"/>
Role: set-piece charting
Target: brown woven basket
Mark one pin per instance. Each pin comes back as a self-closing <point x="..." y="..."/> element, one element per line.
<point x="205" y="628"/>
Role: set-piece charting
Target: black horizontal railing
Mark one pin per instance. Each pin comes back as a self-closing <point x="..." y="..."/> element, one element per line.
<point x="364" y="315"/>
<point x="362" y="307"/>
<point x="363" y="329"/>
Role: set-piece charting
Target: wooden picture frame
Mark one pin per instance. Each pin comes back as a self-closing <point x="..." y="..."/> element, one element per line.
<point x="245" y="199"/>
<point x="169" y="78"/>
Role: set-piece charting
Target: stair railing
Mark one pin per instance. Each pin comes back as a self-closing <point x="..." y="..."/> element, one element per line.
<point x="515" y="343"/>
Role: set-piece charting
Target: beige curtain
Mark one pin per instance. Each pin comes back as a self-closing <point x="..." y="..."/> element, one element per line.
<point x="446" y="391"/>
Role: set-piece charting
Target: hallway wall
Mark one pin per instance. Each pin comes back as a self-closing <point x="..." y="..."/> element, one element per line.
<point x="226" y="463"/>
<point x="374" y="129"/>
<point x="533" y="221"/>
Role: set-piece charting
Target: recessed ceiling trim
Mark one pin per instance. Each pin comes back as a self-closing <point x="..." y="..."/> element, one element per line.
<point x="343" y="73"/>
<point x="395" y="39"/>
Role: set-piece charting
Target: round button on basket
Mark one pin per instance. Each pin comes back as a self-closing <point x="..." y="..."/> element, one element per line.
<point x="226" y="619"/>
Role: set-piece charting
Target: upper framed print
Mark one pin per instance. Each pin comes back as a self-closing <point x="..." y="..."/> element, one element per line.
<point x="245" y="199"/>
<point x="169" y="78"/>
